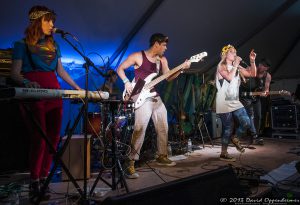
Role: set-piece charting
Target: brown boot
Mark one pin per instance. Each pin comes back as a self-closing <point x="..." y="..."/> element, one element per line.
<point x="237" y="144"/>
<point x="224" y="156"/>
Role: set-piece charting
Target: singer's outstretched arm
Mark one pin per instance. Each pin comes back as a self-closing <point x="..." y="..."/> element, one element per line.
<point x="251" y="70"/>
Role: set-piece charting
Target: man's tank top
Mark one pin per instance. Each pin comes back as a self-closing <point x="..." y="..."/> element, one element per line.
<point x="145" y="69"/>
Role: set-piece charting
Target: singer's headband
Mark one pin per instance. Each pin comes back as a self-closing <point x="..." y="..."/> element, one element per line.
<point x="37" y="14"/>
<point x="225" y="49"/>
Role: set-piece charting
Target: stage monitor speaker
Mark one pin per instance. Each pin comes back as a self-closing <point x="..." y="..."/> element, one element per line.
<point x="74" y="155"/>
<point x="214" y="187"/>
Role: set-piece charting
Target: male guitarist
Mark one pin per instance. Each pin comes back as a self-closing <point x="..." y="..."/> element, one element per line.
<point x="253" y="104"/>
<point x="145" y="63"/>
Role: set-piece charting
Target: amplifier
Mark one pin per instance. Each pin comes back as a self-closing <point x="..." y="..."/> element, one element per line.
<point x="73" y="157"/>
<point x="216" y="126"/>
<point x="284" y="117"/>
<point x="5" y="61"/>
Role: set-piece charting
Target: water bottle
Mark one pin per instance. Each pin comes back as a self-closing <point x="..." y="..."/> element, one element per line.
<point x="190" y="145"/>
<point x="169" y="150"/>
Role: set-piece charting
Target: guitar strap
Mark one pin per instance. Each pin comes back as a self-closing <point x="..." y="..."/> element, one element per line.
<point x="157" y="64"/>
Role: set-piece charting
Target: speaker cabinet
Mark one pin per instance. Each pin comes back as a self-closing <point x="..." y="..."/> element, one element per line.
<point x="212" y="187"/>
<point x="284" y="117"/>
<point x="74" y="155"/>
<point x="216" y="125"/>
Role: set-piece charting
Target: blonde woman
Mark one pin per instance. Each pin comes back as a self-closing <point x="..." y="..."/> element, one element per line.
<point x="228" y="107"/>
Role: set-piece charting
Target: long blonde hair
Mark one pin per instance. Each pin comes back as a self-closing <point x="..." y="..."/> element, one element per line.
<point x="224" y="51"/>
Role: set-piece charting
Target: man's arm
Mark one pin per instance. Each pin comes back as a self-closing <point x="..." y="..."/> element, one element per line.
<point x="268" y="82"/>
<point x="132" y="60"/>
<point x="267" y="86"/>
<point x="165" y="68"/>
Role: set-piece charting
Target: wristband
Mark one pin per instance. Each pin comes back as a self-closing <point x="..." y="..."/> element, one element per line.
<point x="125" y="80"/>
<point x="25" y="81"/>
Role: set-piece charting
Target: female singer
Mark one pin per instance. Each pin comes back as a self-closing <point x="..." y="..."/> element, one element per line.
<point x="228" y="106"/>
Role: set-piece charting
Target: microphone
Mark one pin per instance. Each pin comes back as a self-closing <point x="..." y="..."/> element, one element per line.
<point x="238" y="58"/>
<point x="63" y="33"/>
<point x="57" y="30"/>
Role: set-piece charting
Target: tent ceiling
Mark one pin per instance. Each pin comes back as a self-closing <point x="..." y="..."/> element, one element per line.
<point x="193" y="26"/>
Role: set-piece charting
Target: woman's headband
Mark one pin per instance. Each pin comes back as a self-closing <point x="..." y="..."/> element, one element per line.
<point x="37" y="14"/>
<point x="225" y="49"/>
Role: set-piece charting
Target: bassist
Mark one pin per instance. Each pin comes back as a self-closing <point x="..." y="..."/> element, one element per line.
<point x="145" y="63"/>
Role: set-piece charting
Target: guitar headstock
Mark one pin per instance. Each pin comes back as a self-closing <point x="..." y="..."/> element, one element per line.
<point x="198" y="57"/>
<point x="284" y="92"/>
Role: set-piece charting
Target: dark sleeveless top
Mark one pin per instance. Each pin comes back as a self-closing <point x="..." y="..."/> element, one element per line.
<point x="262" y="82"/>
<point x="145" y="69"/>
<point x="253" y="84"/>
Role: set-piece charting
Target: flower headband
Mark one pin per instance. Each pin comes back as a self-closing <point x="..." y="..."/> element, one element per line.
<point x="225" y="49"/>
<point x="37" y="14"/>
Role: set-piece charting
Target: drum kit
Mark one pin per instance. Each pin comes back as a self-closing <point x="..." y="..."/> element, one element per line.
<point x="115" y="116"/>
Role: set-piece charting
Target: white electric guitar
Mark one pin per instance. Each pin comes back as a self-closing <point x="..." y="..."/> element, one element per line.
<point x="145" y="92"/>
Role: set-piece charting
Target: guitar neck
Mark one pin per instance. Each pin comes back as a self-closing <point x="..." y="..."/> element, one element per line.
<point x="255" y="93"/>
<point x="164" y="76"/>
<point x="269" y="93"/>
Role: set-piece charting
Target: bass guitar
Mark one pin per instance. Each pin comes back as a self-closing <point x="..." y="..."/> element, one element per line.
<point x="140" y="95"/>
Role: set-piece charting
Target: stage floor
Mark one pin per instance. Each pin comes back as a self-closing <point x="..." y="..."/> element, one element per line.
<point x="273" y="154"/>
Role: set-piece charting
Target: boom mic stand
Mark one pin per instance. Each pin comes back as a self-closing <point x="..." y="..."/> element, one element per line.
<point x="84" y="112"/>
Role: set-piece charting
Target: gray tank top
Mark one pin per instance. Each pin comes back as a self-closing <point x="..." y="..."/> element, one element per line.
<point x="227" y="98"/>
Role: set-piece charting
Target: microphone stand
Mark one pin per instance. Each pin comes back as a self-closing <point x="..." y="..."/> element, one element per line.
<point x="84" y="111"/>
<point x="87" y="64"/>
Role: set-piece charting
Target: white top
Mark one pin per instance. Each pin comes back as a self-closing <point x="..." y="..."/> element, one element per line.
<point x="227" y="98"/>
